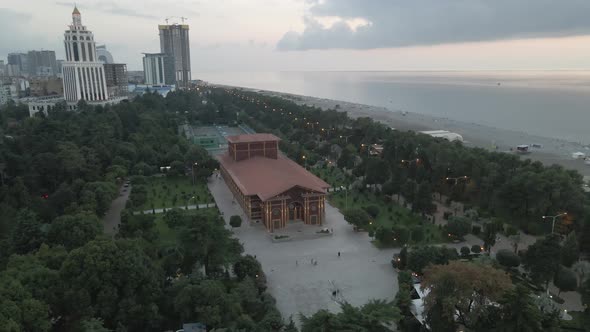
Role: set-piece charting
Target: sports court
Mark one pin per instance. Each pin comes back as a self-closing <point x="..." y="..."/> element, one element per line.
<point x="213" y="138"/>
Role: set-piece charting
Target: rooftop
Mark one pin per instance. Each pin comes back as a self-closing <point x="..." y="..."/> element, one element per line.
<point x="249" y="138"/>
<point x="267" y="177"/>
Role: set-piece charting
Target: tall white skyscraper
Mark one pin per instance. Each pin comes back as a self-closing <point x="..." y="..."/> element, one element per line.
<point x="83" y="73"/>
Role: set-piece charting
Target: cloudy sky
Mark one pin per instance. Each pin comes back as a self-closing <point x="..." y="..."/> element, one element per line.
<point x="269" y="35"/>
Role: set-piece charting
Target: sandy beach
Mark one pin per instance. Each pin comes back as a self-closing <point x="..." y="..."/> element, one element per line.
<point x="553" y="151"/>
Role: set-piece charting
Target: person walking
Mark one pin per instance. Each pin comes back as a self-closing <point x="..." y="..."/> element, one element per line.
<point x="339" y="254"/>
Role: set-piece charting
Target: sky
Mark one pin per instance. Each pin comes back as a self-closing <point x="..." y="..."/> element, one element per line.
<point x="273" y="35"/>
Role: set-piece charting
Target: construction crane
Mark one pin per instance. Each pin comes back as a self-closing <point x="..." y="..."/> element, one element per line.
<point x="180" y="17"/>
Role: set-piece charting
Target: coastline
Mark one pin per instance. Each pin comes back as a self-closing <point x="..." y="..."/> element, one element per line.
<point x="553" y="151"/>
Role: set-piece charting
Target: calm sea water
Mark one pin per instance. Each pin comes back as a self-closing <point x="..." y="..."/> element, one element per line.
<point x="549" y="104"/>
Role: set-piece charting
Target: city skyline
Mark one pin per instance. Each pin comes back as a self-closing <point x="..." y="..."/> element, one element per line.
<point x="323" y="35"/>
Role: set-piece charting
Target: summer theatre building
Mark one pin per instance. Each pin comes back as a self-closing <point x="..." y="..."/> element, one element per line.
<point x="269" y="186"/>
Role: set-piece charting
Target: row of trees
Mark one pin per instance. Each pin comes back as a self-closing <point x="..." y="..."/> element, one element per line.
<point x="415" y="166"/>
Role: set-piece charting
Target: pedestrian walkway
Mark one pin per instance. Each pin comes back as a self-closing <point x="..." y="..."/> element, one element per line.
<point x="189" y="207"/>
<point x="304" y="273"/>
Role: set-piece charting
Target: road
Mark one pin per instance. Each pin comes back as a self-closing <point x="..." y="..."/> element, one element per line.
<point x="112" y="218"/>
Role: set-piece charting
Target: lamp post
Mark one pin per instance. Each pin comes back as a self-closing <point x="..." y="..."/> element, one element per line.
<point x="189" y="200"/>
<point x="456" y="179"/>
<point x="410" y="161"/>
<point x="193" y="171"/>
<point x="553" y="220"/>
<point x="304" y="162"/>
<point x="345" y="196"/>
<point x="363" y="145"/>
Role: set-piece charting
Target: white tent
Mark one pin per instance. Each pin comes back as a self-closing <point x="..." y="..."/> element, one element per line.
<point x="578" y="155"/>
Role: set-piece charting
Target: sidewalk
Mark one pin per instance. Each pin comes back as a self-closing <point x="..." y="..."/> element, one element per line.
<point x="190" y="207"/>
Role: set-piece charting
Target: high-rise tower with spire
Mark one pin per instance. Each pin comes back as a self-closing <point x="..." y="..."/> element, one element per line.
<point x="83" y="73"/>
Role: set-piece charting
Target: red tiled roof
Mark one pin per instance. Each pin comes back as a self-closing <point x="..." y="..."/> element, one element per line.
<point x="268" y="177"/>
<point x="249" y="138"/>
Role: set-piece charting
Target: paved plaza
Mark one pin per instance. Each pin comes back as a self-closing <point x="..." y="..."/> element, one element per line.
<point x="362" y="272"/>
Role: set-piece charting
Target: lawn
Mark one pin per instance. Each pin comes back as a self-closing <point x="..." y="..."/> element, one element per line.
<point x="168" y="236"/>
<point x="170" y="192"/>
<point x="332" y="175"/>
<point x="578" y="323"/>
<point x="389" y="214"/>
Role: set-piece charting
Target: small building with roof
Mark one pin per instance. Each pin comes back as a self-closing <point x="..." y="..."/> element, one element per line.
<point x="269" y="186"/>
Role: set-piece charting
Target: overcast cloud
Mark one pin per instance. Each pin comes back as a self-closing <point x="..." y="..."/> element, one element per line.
<point x="400" y="23"/>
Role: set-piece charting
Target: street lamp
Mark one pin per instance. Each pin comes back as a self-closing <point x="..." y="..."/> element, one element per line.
<point x="193" y="171"/>
<point x="411" y="161"/>
<point x="304" y="162"/>
<point x="456" y="179"/>
<point x="345" y="138"/>
<point x="189" y="200"/>
<point x="345" y="196"/>
<point x="368" y="148"/>
<point x="553" y="220"/>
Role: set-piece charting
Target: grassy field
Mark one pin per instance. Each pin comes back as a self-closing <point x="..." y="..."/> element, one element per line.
<point x="578" y="323"/>
<point x="332" y="175"/>
<point x="389" y="214"/>
<point x="174" y="192"/>
<point x="168" y="236"/>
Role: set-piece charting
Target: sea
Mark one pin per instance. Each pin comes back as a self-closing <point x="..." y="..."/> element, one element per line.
<point x="553" y="104"/>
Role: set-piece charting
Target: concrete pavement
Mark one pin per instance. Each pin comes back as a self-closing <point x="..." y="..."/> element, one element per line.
<point x="112" y="218"/>
<point x="360" y="274"/>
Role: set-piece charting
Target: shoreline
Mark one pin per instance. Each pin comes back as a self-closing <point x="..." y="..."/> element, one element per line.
<point x="553" y="151"/>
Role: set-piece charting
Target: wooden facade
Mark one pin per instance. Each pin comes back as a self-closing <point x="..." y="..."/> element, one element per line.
<point x="297" y="203"/>
<point x="294" y="205"/>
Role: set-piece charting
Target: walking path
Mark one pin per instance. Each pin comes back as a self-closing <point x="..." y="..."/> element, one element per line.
<point x="189" y="207"/>
<point x="112" y="218"/>
<point x="361" y="273"/>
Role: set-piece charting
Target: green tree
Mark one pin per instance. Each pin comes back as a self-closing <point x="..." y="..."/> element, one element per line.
<point x="519" y="312"/>
<point x="507" y="258"/>
<point x="542" y="259"/>
<point x="27" y="235"/>
<point x="73" y="231"/>
<point x="458" y="227"/>
<point x="114" y="279"/>
<point x="18" y="310"/>
<point x="423" y="199"/>
<point x="206" y="242"/>
<point x="206" y="302"/>
<point x="463" y="288"/>
<point x="489" y="235"/>
<point x="565" y="279"/>
<point x="370" y="317"/>
<point x="357" y="217"/>
<point x="372" y="210"/>
<point x="570" y="251"/>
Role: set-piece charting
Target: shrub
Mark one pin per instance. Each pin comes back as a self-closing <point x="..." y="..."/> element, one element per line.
<point x="565" y="280"/>
<point x="465" y="251"/>
<point x="357" y="217"/>
<point x="507" y="258"/>
<point x="475" y="249"/>
<point x="401" y="234"/>
<point x="476" y="230"/>
<point x="511" y="230"/>
<point x="417" y="234"/>
<point x="458" y="226"/>
<point x="235" y="221"/>
<point x="372" y="210"/>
